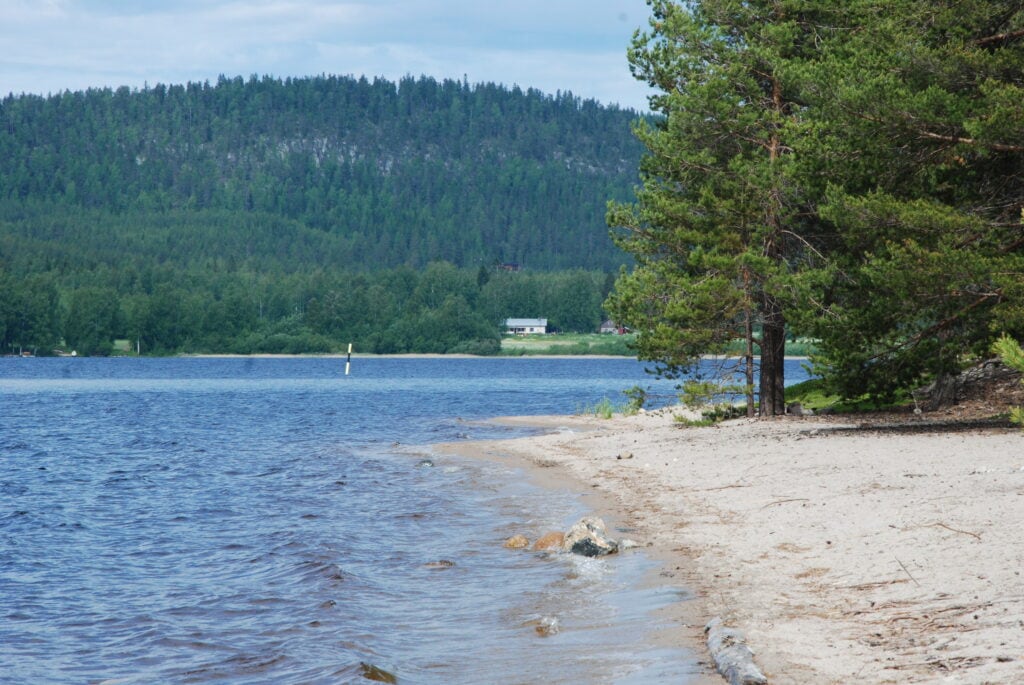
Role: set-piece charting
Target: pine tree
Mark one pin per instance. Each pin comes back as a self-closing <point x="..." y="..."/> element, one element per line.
<point x="717" y="224"/>
<point x="918" y="118"/>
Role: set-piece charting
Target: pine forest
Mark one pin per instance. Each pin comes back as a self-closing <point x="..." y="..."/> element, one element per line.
<point x="297" y="215"/>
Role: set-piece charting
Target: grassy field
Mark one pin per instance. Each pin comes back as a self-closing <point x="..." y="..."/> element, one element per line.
<point x="606" y="343"/>
<point x="566" y="343"/>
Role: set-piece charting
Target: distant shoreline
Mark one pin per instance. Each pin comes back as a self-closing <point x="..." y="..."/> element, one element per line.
<point x="412" y="355"/>
<point x="419" y="355"/>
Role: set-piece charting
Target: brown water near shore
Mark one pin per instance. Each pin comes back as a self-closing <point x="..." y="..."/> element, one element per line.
<point x="883" y="551"/>
<point x="664" y="591"/>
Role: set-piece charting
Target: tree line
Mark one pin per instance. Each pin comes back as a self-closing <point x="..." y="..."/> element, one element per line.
<point x="849" y="171"/>
<point x="166" y="310"/>
<point x="300" y="214"/>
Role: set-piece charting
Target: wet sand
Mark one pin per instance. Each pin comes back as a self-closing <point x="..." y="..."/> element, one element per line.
<point x="880" y="553"/>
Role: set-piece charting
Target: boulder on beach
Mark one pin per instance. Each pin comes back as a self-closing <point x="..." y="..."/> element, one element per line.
<point x="552" y="540"/>
<point x="517" y="542"/>
<point x="797" y="409"/>
<point x="589" y="537"/>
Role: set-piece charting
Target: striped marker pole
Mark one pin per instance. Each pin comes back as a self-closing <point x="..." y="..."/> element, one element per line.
<point x="348" y="360"/>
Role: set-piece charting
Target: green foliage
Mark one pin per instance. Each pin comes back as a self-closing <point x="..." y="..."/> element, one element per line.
<point x="714" y="399"/>
<point x="698" y="393"/>
<point x="916" y="127"/>
<point x="481" y="347"/>
<point x="92" y="320"/>
<point x="30" y="313"/>
<point x="861" y="187"/>
<point x="812" y="394"/>
<point x="931" y="302"/>
<point x="568" y="344"/>
<point x="292" y="216"/>
<point x="637" y="398"/>
<point x="819" y="394"/>
<point x="693" y="423"/>
<point x="169" y="310"/>
<point x="1009" y="350"/>
<point x="718" y="222"/>
<point x="604" y="409"/>
<point x="800" y="347"/>
<point x="327" y="170"/>
<point x="1017" y="415"/>
<point x="722" y="412"/>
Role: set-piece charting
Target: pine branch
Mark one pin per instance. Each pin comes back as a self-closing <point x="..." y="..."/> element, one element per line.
<point x="945" y="323"/>
<point x="1001" y="147"/>
<point x="1001" y="38"/>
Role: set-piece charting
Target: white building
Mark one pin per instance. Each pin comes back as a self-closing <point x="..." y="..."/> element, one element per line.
<point x="610" y="326"/>
<point x="525" y="326"/>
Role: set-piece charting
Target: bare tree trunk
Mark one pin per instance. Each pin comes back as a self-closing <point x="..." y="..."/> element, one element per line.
<point x="773" y="358"/>
<point x="942" y="392"/>
<point x="773" y="335"/>
<point x="748" y="361"/>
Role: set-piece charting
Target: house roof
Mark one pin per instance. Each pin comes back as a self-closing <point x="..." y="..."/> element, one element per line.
<point x="525" y="323"/>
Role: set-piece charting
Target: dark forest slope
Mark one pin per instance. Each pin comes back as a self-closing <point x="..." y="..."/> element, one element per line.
<point x="300" y="215"/>
<point x="332" y="171"/>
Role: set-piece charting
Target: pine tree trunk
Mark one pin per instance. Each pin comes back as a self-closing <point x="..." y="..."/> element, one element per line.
<point x="748" y="355"/>
<point x="748" y="368"/>
<point x="773" y="357"/>
<point x="773" y="336"/>
<point x="943" y="392"/>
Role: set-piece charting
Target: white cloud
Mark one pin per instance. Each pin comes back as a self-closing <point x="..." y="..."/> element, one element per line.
<point x="576" y="45"/>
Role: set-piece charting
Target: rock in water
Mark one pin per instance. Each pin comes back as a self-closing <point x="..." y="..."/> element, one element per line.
<point x="376" y="674"/>
<point x="552" y="540"/>
<point x="589" y="537"/>
<point x="546" y="627"/>
<point x="517" y="542"/>
<point x="440" y="563"/>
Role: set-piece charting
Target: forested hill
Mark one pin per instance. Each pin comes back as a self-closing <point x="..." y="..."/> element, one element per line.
<point x="328" y="171"/>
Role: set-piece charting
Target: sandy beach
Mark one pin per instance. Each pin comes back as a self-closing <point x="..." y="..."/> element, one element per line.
<point x="846" y="552"/>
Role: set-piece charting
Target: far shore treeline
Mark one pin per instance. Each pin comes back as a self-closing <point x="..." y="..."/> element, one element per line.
<point x="297" y="215"/>
<point x="440" y="309"/>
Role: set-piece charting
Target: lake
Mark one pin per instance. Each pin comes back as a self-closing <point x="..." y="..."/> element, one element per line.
<point x="252" y="520"/>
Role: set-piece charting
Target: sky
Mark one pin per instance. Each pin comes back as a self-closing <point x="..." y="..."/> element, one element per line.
<point x="569" y="45"/>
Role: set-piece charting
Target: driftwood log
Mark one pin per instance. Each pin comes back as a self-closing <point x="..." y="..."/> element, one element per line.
<point x="733" y="658"/>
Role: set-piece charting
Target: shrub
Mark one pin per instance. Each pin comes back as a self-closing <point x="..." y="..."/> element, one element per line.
<point x="602" y="410"/>
<point x="1010" y="352"/>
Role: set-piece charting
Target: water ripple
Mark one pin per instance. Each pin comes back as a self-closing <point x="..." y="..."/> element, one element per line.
<point x="248" y="521"/>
